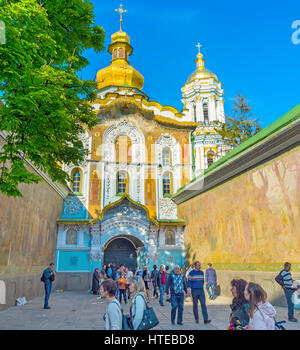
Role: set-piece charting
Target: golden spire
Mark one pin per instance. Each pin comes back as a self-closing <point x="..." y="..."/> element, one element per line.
<point x="121" y="11"/>
<point x="199" y="45"/>
<point x="199" y="61"/>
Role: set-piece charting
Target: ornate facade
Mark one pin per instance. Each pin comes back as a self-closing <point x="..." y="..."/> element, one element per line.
<point x="141" y="153"/>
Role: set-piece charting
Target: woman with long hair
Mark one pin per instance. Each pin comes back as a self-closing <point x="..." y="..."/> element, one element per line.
<point x="239" y="316"/>
<point x="138" y="303"/>
<point x="261" y="312"/>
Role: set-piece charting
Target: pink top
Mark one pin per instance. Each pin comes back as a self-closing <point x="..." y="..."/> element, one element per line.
<point x="163" y="278"/>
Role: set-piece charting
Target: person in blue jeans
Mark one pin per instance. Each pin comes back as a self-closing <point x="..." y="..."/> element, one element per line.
<point x="195" y="289"/>
<point x="161" y="281"/>
<point x="116" y="279"/>
<point x="211" y="280"/>
<point x="284" y="279"/>
<point x="48" y="278"/>
<point x="176" y="290"/>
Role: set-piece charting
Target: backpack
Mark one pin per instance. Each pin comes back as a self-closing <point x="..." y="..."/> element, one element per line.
<point x="126" y="320"/>
<point x="43" y="277"/>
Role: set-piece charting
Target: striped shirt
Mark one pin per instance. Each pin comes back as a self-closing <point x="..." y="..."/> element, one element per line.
<point x="285" y="279"/>
<point x="196" y="279"/>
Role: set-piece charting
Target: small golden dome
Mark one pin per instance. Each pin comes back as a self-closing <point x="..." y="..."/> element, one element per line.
<point x="201" y="72"/>
<point x="120" y="73"/>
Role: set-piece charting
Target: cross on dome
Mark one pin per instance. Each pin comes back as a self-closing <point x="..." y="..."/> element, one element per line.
<point x="121" y="11"/>
<point x="199" y="45"/>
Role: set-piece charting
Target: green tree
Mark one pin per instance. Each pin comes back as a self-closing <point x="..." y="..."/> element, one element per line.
<point x="46" y="105"/>
<point x="240" y="125"/>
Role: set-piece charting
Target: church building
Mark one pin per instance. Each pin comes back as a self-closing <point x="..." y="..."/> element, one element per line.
<point x="140" y="154"/>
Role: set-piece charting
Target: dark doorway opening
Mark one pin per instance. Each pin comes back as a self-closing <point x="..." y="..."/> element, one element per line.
<point x="121" y="251"/>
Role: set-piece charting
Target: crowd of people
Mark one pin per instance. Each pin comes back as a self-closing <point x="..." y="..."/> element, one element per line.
<point x="250" y="309"/>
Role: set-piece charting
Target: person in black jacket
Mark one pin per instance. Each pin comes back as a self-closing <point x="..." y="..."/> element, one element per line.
<point x="176" y="290"/>
<point x="154" y="273"/>
<point x="239" y="316"/>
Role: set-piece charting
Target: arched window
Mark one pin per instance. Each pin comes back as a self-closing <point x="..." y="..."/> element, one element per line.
<point x="210" y="158"/>
<point x="170" y="238"/>
<point x="167" y="184"/>
<point x="126" y="55"/>
<point x="166" y="157"/>
<point x="123" y="149"/>
<point x="95" y="188"/>
<point x="71" y="237"/>
<point x="76" y="177"/>
<point x="195" y="113"/>
<point x="115" y="53"/>
<point x="121" y="53"/>
<point x="122" y="182"/>
<point x="205" y="113"/>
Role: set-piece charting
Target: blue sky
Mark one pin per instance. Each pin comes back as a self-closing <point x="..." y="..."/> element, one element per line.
<point x="247" y="44"/>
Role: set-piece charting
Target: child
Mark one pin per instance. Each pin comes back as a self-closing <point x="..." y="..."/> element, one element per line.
<point x="261" y="312"/>
<point x="122" y="288"/>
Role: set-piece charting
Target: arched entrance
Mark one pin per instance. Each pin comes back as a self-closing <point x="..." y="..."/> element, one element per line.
<point x="121" y="250"/>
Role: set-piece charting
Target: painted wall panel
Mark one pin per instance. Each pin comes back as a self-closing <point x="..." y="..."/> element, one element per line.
<point x="252" y="219"/>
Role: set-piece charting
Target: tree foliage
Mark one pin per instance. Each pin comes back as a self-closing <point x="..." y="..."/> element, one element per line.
<point x="46" y="105"/>
<point x="240" y="125"/>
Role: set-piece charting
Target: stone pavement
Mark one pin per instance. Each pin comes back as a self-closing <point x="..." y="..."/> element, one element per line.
<point x="83" y="311"/>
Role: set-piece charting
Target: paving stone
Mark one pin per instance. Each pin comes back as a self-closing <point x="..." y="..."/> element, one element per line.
<point x="90" y="310"/>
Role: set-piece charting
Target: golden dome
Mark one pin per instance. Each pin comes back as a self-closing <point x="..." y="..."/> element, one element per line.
<point x="201" y="72"/>
<point x="120" y="73"/>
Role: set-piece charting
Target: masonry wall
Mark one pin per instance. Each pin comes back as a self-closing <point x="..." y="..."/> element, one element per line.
<point x="249" y="223"/>
<point x="28" y="234"/>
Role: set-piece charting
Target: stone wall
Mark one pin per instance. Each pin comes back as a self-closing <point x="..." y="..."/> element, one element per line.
<point x="73" y="281"/>
<point x="28" y="236"/>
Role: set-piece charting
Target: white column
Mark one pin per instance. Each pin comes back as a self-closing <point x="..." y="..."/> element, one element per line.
<point x="212" y="109"/>
<point x="199" y="111"/>
<point x="220" y="111"/>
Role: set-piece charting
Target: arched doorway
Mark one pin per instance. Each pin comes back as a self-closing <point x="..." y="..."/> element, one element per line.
<point x="121" y="251"/>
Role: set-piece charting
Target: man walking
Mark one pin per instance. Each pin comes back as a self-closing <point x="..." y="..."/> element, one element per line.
<point x="161" y="282"/>
<point x="211" y="280"/>
<point x="195" y="289"/>
<point x="284" y="278"/>
<point x="117" y="276"/>
<point x="48" y="277"/>
<point x="154" y="280"/>
<point x="176" y="290"/>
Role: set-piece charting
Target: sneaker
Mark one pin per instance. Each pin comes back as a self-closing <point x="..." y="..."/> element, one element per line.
<point x="173" y="323"/>
<point x="161" y="304"/>
<point x="180" y="323"/>
<point x="207" y="321"/>
<point x="293" y="319"/>
<point x="47" y="308"/>
<point x="197" y="321"/>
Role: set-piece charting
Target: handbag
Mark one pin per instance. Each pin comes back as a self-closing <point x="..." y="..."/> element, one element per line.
<point x="149" y="319"/>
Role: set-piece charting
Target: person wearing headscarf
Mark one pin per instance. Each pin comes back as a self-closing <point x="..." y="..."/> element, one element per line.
<point x="95" y="282"/>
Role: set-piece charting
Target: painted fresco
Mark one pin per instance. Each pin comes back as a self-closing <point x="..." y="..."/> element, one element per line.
<point x="28" y="229"/>
<point x="252" y="219"/>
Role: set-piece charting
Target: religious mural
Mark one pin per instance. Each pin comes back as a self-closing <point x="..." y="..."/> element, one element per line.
<point x="252" y="219"/>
